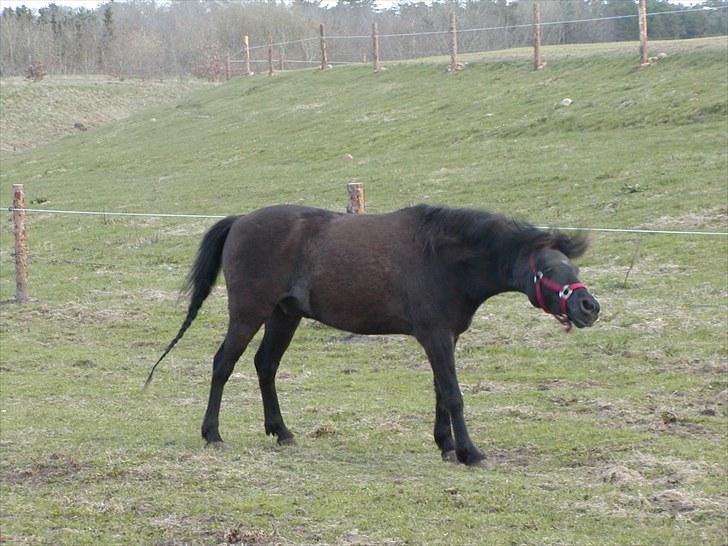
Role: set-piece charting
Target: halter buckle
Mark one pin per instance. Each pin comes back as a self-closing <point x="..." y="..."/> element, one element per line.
<point x="538" y="276"/>
<point x="565" y="292"/>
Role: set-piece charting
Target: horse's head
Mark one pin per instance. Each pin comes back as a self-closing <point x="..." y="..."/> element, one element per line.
<point x="554" y="285"/>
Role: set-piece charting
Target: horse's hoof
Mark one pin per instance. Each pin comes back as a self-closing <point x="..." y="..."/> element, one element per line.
<point x="291" y="441"/>
<point x="485" y="464"/>
<point x="220" y="445"/>
<point x="450" y="456"/>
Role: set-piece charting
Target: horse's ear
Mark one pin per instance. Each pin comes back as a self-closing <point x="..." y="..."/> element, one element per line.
<point x="573" y="246"/>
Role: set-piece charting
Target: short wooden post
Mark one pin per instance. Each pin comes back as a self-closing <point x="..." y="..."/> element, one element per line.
<point x="356" y="198"/>
<point x="270" y="54"/>
<point x="375" y="46"/>
<point x="454" y="65"/>
<point x="21" y="245"/>
<point x="281" y="56"/>
<point x="324" y="54"/>
<point x="537" y="62"/>
<point x="643" y="33"/>
<point x="227" y="67"/>
<point x="246" y="45"/>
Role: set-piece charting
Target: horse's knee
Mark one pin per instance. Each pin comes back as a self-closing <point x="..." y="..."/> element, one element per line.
<point x="453" y="403"/>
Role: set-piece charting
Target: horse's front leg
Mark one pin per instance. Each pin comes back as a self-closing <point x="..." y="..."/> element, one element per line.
<point x="443" y="428"/>
<point x="440" y="349"/>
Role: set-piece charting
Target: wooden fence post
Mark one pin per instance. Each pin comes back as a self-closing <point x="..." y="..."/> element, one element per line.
<point x="21" y="245"/>
<point x="643" y="33"/>
<point x="270" y="54"/>
<point x="281" y="55"/>
<point x="246" y="45"/>
<point x="356" y="198"/>
<point x="227" y="67"/>
<point x="375" y="46"/>
<point x="537" y="62"/>
<point x="324" y="55"/>
<point x="454" y="65"/>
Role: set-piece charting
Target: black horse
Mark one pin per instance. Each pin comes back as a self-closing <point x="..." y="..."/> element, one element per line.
<point x="421" y="271"/>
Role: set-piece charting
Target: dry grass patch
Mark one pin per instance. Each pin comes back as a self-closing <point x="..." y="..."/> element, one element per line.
<point x="37" y="113"/>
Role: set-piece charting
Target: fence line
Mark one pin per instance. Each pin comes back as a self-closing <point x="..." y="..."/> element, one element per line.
<point x="484" y="29"/>
<point x="219" y="216"/>
<point x="104" y="213"/>
<point x="302" y="41"/>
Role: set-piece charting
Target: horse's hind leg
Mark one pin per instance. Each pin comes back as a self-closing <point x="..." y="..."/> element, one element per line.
<point x="279" y="330"/>
<point x="237" y="338"/>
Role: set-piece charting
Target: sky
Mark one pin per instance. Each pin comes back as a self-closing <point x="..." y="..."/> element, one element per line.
<point x="92" y="4"/>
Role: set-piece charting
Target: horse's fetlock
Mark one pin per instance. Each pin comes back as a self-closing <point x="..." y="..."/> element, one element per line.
<point x="210" y="433"/>
<point x="470" y="457"/>
<point x="444" y="441"/>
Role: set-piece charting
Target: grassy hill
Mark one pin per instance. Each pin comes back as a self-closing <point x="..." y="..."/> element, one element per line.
<point x="35" y="113"/>
<point x="614" y="435"/>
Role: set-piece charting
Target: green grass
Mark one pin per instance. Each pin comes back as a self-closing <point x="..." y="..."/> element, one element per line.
<point x="611" y="436"/>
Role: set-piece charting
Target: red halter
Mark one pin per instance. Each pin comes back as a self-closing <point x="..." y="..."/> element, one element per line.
<point x="564" y="291"/>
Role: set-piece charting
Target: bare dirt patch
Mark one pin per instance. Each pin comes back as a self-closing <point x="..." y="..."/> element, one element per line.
<point x="57" y="467"/>
<point x="488" y="386"/>
<point x="247" y="537"/>
<point x="621" y="474"/>
<point x="677" y="414"/>
<point x="150" y="294"/>
<point x="78" y="313"/>
<point x="715" y="218"/>
<point x="670" y="471"/>
<point x="650" y="484"/>
<point x="671" y="501"/>
<point x="520" y="457"/>
<point x="322" y="430"/>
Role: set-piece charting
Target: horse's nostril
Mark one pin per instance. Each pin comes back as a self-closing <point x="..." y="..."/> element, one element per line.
<point x="588" y="306"/>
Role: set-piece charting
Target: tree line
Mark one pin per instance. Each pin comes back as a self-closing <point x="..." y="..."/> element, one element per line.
<point x="142" y="38"/>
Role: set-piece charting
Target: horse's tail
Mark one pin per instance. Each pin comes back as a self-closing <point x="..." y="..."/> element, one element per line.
<point x="201" y="278"/>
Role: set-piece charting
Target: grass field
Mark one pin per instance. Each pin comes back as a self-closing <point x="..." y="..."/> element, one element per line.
<point x="611" y="436"/>
<point x="35" y="113"/>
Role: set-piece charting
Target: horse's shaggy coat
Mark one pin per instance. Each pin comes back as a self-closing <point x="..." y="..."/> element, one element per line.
<point x="421" y="271"/>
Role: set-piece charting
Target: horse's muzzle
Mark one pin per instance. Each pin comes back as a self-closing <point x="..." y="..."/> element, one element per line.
<point x="583" y="309"/>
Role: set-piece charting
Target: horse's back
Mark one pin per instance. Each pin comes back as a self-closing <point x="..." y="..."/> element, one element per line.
<point x="349" y="271"/>
<point x="268" y="242"/>
<point x="359" y="271"/>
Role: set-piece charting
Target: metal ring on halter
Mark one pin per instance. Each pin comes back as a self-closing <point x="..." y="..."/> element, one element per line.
<point x="566" y="291"/>
<point x="538" y="276"/>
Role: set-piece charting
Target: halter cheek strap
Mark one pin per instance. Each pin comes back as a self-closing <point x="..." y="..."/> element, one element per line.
<point x="564" y="291"/>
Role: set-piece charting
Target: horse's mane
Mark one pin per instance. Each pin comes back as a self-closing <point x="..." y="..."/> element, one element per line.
<point x="489" y="233"/>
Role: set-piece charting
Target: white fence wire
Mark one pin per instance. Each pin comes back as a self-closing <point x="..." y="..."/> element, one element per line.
<point x="219" y="216"/>
<point x="334" y="37"/>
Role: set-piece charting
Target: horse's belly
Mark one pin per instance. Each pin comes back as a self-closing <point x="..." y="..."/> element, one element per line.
<point x="359" y="311"/>
<point x="364" y="327"/>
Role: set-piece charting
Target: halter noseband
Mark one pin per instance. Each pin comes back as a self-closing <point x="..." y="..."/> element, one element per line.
<point x="564" y="291"/>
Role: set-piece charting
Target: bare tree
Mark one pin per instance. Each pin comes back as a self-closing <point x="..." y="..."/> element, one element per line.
<point x="145" y="38"/>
